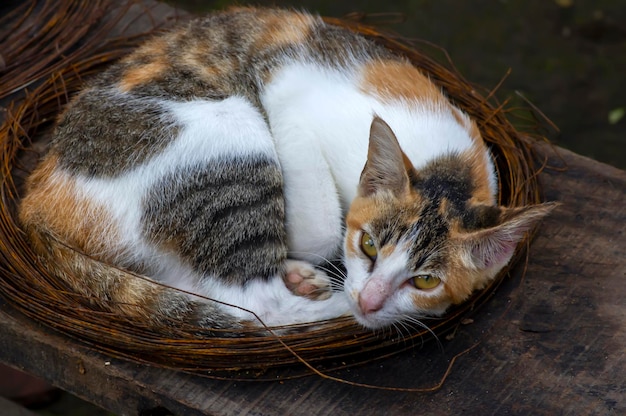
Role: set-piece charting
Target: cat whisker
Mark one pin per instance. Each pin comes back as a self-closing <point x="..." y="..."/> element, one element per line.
<point x="308" y="253"/>
<point x="401" y="328"/>
<point x="332" y="274"/>
<point x="329" y="264"/>
<point x="415" y="321"/>
<point x="410" y="332"/>
<point x="383" y="332"/>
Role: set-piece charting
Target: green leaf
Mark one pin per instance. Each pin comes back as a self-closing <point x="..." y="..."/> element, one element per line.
<point x="616" y="115"/>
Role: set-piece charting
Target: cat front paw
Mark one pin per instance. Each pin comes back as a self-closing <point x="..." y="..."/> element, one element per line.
<point x="303" y="279"/>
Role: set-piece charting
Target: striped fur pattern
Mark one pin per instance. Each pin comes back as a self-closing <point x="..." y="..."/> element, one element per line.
<point x="234" y="157"/>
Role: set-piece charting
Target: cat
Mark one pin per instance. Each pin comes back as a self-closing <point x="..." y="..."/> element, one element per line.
<point x="236" y="156"/>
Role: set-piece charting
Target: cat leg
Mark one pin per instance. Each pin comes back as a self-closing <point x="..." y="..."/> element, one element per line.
<point x="313" y="214"/>
<point x="305" y="280"/>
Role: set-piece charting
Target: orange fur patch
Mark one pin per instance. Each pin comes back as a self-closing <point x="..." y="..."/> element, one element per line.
<point x="141" y="75"/>
<point x="53" y="203"/>
<point x="195" y="60"/>
<point x="284" y="29"/>
<point x="359" y="214"/>
<point x="144" y="73"/>
<point x="463" y="278"/>
<point x="459" y="284"/>
<point x="392" y="80"/>
<point x="281" y="29"/>
<point x="429" y="302"/>
<point x="351" y="249"/>
<point x="62" y="226"/>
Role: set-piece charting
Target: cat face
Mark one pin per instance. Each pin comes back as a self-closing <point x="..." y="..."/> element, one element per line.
<point x="420" y="241"/>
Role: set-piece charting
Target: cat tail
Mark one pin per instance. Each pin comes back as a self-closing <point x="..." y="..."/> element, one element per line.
<point x="110" y="289"/>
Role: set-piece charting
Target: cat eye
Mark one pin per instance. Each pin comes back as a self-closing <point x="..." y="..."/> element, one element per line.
<point x="425" y="282"/>
<point x="368" y="247"/>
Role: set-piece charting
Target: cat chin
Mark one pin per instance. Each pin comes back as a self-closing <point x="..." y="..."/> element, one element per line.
<point x="375" y="320"/>
<point x="385" y="319"/>
<point x="372" y="323"/>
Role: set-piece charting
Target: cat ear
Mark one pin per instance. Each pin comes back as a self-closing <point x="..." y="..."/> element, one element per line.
<point x="386" y="166"/>
<point x="491" y="249"/>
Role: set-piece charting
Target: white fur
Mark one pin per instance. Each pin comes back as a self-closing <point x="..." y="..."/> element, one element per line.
<point x="209" y="130"/>
<point x="305" y="102"/>
<point x="270" y="300"/>
<point x="319" y="122"/>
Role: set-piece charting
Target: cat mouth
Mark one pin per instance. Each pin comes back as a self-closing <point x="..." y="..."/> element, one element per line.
<point x="369" y="321"/>
<point x="372" y="319"/>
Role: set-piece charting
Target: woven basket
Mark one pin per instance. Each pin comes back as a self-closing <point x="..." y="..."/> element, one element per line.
<point x="38" y="295"/>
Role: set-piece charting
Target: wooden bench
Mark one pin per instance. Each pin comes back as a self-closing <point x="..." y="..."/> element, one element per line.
<point x="550" y="341"/>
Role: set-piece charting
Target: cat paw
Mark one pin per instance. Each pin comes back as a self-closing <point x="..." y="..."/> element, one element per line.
<point x="305" y="280"/>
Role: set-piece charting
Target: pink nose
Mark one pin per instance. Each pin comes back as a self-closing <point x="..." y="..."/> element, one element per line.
<point x="373" y="296"/>
<point x="369" y="305"/>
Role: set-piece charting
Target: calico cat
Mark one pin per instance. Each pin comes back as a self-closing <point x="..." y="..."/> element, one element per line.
<point x="235" y="156"/>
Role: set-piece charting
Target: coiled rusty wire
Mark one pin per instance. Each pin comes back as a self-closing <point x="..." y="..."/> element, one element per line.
<point x="46" y="57"/>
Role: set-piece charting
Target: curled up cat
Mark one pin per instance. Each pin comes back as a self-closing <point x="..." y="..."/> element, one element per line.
<point x="236" y="156"/>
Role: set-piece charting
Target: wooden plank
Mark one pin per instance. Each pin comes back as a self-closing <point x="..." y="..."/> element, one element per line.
<point x="550" y="342"/>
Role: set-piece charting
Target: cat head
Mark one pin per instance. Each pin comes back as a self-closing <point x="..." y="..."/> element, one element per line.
<point x="418" y="241"/>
